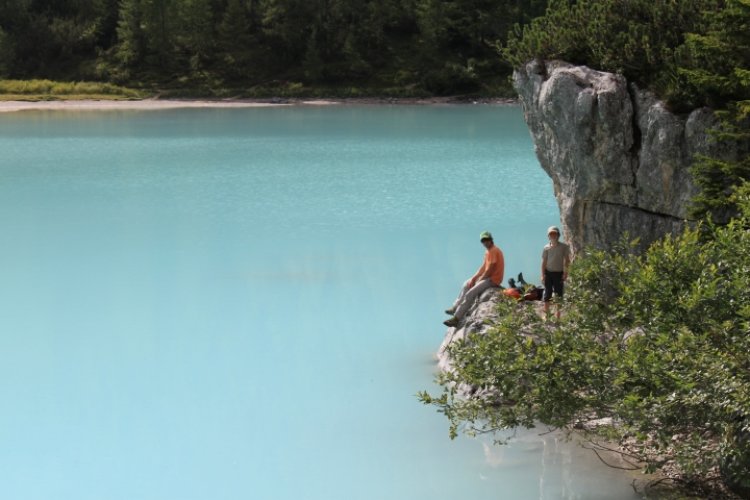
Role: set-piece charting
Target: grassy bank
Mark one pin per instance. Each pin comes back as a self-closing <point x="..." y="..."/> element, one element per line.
<point x="49" y="90"/>
<point x="46" y="90"/>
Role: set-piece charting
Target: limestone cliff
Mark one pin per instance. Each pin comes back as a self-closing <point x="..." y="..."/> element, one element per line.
<point x="618" y="158"/>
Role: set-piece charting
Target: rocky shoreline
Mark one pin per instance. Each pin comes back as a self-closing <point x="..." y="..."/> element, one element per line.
<point x="478" y="319"/>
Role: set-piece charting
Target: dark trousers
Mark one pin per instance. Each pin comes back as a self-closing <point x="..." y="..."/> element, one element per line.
<point x="553" y="282"/>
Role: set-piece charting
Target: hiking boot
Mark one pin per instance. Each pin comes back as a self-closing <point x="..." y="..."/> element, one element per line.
<point x="451" y="322"/>
<point x="451" y="311"/>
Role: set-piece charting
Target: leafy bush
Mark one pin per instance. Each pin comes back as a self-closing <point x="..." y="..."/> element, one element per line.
<point x="658" y="342"/>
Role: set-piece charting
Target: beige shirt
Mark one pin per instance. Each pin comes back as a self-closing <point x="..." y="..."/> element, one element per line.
<point x="556" y="257"/>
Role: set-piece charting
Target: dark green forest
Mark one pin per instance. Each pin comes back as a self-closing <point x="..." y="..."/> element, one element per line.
<point x="397" y="46"/>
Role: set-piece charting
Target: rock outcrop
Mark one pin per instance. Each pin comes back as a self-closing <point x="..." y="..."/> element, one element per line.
<point x="618" y="158"/>
<point x="479" y="318"/>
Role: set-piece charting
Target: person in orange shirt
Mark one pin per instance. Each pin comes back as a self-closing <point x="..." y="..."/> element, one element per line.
<point x="490" y="274"/>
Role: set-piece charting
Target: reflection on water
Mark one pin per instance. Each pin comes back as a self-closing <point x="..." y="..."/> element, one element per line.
<point x="239" y="303"/>
<point x="564" y="466"/>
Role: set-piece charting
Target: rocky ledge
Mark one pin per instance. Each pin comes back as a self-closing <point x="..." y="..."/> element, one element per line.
<point x="479" y="318"/>
<point x="618" y="158"/>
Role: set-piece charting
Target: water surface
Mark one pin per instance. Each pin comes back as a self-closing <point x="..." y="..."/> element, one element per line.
<point x="242" y="303"/>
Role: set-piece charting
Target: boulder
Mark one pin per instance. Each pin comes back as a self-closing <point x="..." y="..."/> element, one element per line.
<point x="618" y="158"/>
<point x="478" y="318"/>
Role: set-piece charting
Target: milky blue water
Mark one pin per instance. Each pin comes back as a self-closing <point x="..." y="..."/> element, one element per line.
<point x="242" y="303"/>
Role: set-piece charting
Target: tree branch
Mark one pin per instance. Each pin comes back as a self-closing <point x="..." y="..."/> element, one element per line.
<point x="610" y="465"/>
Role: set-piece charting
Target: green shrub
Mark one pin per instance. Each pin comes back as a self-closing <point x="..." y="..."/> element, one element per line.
<point x="638" y="38"/>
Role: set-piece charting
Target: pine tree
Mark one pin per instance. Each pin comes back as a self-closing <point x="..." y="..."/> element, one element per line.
<point x="131" y="40"/>
<point x="287" y="26"/>
<point x="6" y="54"/>
<point x="716" y="66"/>
<point x="235" y="42"/>
<point x="158" y="18"/>
<point x="195" y="33"/>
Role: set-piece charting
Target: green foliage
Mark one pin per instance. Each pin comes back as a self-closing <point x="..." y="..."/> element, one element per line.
<point x="423" y="46"/>
<point x="48" y="89"/>
<point x="715" y="65"/>
<point x="195" y="40"/>
<point x="458" y="41"/>
<point x="132" y="43"/>
<point x="235" y="40"/>
<point x="6" y="53"/>
<point x="638" y="38"/>
<point x="715" y="61"/>
<point x="659" y="342"/>
<point x="718" y="180"/>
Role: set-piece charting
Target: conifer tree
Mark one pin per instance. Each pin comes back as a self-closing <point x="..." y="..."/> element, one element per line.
<point x="131" y="40"/>
<point x="158" y="26"/>
<point x="235" y="41"/>
<point x="195" y="37"/>
<point x="6" y="54"/>
<point x="287" y="26"/>
<point x="716" y="66"/>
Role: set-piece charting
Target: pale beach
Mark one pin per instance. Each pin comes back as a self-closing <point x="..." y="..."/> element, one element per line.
<point x="161" y="104"/>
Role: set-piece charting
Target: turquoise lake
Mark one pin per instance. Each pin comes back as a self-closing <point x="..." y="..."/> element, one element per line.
<point x="243" y="303"/>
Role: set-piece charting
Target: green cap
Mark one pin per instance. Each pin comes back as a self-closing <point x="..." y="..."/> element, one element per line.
<point x="486" y="235"/>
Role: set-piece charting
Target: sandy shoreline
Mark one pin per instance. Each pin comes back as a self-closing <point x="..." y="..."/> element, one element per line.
<point x="160" y="104"/>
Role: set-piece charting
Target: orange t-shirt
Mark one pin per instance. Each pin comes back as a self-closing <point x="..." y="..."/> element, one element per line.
<point x="495" y="264"/>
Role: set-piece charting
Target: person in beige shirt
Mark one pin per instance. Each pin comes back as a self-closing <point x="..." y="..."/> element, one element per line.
<point x="555" y="262"/>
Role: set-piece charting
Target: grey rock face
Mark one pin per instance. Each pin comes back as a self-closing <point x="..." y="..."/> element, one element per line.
<point x="618" y="159"/>
<point x="477" y="320"/>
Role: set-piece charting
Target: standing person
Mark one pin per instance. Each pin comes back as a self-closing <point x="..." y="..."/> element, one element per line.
<point x="488" y="275"/>
<point x="555" y="262"/>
